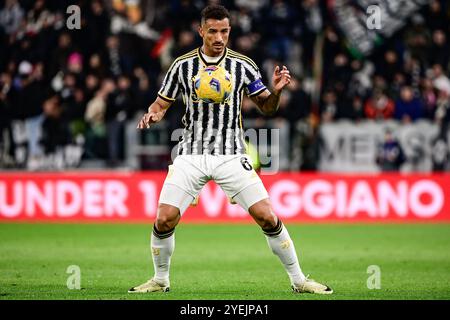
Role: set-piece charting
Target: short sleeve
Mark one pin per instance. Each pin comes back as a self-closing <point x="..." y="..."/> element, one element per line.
<point x="170" y="86"/>
<point x="252" y="79"/>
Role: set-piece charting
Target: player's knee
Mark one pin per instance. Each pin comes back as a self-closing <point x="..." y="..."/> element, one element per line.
<point x="167" y="217"/>
<point x="164" y="223"/>
<point x="262" y="212"/>
<point x="269" y="222"/>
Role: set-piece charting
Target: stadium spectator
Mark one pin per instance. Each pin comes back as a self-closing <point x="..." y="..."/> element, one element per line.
<point x="329" y="106"/>
<point x="408" y="108"/>
<point x="436" y="15"/>
<point x="442" y="114"/>
<point x="73" y="112"/>
<point x="96" y="66"/>
<point x="75" y="64"/>
<point x="390" y="155"/>
<point x="7" y="143"/>
<point x="361" y="82"/>
<point x="28" y="96"/>
<point x="390" y="65"/>
<point x="340" y="72"/>
<point x="440" y="153"/>
<point x="349" y="108"/>
<point x="119" y="107"/>
<point x="144" y="90"/>
<point x="91" y="85"/>
<point x="429" y="98"/>
<point x="357" y="110"/>
<point x="55" y="132"/>
<point x="440" y="80"/>
<point x="11" y="16"/>
<point x="379" y="106"/>
<point x="186" y="42"/>
<point x="300" y="105"/>
<point x="394" y="88"/>
<point x="96" y="136"/>
<point x="60" y="54"/>
<point x="440" y="49"/>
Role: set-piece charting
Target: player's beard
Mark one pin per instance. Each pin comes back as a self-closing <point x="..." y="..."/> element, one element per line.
<point x="218" y="48"/>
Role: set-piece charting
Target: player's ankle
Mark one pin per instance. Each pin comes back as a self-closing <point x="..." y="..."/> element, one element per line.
<point x="163" y="281"/>
<point x="298" y="280"/>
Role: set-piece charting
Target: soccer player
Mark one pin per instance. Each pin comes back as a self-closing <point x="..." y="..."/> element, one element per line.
<point x="212" y="148"/>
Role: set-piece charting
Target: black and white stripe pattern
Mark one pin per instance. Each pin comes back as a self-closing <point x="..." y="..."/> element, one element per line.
<point x="210" y="127"/>
<point x="274" y="231"/>
<point x="163" y="235"/>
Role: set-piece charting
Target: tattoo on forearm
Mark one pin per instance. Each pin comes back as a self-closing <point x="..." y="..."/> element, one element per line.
<point x="271" y="104"/>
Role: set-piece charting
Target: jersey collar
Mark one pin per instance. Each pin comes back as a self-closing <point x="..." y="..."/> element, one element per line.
<point x="200" y="55"/>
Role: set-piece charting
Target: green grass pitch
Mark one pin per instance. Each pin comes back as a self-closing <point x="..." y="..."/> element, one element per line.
<point x="224" y="261"/>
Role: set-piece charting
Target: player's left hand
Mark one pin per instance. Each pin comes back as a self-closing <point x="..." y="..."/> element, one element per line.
<point x="281" y="78"/>
<point x="149" y="118"/>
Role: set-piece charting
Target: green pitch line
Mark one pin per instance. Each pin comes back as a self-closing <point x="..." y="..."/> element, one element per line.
<point x="224" y="261"/>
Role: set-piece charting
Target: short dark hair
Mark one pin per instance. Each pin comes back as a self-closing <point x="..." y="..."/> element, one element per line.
<point x="214" y="11"/>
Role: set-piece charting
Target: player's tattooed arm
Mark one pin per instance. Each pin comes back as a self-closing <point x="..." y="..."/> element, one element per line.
<point x="155" y="113"/>
<point x="268" y="102"/>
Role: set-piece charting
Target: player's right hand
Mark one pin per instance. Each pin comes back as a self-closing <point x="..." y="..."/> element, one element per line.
<point x="149" y="118"/>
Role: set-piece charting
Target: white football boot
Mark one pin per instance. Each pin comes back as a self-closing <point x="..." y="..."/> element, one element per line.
<point x="311" y="286"/>
<point x="150" y="286"/>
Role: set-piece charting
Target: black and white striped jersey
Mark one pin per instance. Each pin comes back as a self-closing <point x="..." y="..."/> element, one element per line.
<point x="211" y="128"/>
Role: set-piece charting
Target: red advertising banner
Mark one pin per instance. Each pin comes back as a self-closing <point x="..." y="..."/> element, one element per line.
<point x="296" y="197"/>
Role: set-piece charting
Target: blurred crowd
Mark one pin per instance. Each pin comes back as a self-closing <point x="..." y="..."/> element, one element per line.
<point x="63" y="87"/>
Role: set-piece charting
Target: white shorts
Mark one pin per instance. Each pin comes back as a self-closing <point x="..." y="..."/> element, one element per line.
<point x="233" y="173"/>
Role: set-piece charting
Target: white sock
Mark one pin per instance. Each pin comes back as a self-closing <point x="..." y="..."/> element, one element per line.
<point x="162" y="247"/>
<point x="282" y="246"/>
